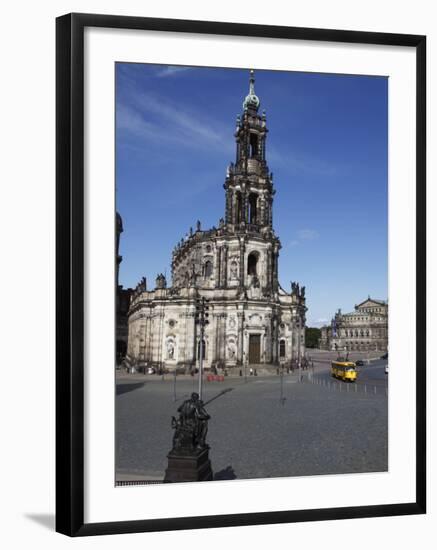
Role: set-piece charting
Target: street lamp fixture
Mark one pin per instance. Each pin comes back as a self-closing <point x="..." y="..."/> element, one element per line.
<point x="201" y="319"/>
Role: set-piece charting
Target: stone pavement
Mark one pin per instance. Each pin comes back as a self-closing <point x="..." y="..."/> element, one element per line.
<point x="259" y="428"/>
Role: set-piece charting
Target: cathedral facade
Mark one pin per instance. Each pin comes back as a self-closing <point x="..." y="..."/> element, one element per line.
<point x="234" y="266"/>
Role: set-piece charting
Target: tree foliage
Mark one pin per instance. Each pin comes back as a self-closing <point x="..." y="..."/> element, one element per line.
<point x="312" y="336"/>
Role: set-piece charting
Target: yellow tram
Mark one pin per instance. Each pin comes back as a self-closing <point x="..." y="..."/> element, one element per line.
<point x="345" y="370"/>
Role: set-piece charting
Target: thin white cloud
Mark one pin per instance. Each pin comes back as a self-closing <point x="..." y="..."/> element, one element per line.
<point x="171" y="70"/>
<point x="131" y="121"/>
<point x="298" y="162"/>
<point x="318" y="323"/>
<point x="307" y="234"/>
<point x="154" y="119"/>
<point x="301" y="236"/>
<point x="189" y="124"/>
<point x="136" y="126"/>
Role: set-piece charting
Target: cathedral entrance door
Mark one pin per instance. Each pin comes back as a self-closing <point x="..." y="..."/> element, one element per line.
<point x="254" y="348"/>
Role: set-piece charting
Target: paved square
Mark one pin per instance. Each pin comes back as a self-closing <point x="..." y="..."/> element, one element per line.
<point x="253" y="433"/>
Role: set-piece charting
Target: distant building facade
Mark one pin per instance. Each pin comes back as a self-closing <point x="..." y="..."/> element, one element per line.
<point x="252" y="319"/>
<point x="364" y="329"/>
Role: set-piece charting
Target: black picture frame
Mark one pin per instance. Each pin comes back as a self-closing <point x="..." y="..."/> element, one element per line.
<point x="70" y="273"/>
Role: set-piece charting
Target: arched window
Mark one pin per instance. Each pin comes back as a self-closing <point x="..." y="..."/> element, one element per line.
<point x="253" y="210"/>
<point x="253" y="145"/>
<point x="282" y="348"/>
<point x="207" y="269"/>
<point x="238" y="207"/>
<point x="252" y="261"/>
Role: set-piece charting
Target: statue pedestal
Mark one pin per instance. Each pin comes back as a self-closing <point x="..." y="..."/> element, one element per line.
<point x="188" y="466"/>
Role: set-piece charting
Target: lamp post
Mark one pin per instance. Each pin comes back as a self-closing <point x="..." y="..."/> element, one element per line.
<point x="201" y="362"/>
<point x="298" y="349"/>
<point x="282" y="398"/>
<point x="202" y="314"/>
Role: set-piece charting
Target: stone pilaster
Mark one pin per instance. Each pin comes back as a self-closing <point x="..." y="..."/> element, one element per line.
<point x="269" y="267"/>
<point x="240" y="316"/>
<point x="229" y="205"/>
<point x="275" y="269"/>
<point x="217" y="267"/>
<point x="262" y="210"/>
<point x="245" y="207"/>
<point x="147" y="338"/>
<point x="242" y="267"/>
<point x="224" y="278"/>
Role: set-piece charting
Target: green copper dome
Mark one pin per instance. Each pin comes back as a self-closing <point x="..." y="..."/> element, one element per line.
<point x="251" y="99"/>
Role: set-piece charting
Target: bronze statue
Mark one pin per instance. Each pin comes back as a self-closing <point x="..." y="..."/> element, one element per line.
<point x="192" y="425"/>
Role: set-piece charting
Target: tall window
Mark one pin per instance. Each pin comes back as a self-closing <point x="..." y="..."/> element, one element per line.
<point x="282" y="348"/>
<point x="253" y="209"/>
<point x="253" y="145"/>
<point x="238" y="207"/>
<point x="207" y="269"/>
<point x="252" y="261"/>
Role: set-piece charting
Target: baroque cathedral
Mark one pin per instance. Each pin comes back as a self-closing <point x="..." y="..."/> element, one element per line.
<point x="252" y="319"/>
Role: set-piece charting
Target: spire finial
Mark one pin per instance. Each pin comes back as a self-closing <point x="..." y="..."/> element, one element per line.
<point x="252" y="82"/>
<point x="251" y="98"/>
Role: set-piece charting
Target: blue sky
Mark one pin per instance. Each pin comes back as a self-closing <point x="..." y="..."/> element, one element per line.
<point x="327" y="149"/>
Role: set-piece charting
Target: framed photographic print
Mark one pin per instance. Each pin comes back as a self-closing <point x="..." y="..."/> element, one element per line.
<point x="240" y="274"/>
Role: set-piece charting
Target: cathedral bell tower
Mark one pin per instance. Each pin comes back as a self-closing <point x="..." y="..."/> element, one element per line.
<point x="234" y="266"/>
<point x="248" y="185"/>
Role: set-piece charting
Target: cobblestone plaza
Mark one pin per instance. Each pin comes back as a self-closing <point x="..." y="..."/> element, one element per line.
<point x="265" y="426"/>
